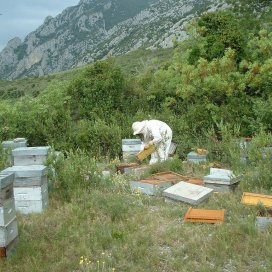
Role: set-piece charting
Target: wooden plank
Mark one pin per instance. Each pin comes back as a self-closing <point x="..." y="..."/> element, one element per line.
<point x="204" y="216"/>
<point x="256" y="199"/>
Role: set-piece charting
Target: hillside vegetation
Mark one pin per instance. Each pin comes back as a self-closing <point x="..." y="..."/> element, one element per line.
<point x="213" y="90"/>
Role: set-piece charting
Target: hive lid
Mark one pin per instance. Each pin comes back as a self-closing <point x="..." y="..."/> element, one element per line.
<point x="186" y="192"/>
<point x="27" y="171"/>
<point x="204" y="216"/>
<point x="131" y="142"/>
<point x="256" y="199"/>
<point x="146" y="152"/>
<point x="35" y="150"/>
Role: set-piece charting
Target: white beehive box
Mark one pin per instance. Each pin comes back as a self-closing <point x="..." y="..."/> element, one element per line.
<point x="150" y="186"/>
<point x="31" y="199"/>
<point x="12" y="144"/>
<point x="221" y="180"/>
<point x="221" y="176"/>
<point x="188" y="193"/>
<point x="30" y="155"/>
<point x="6" y="186"/>
<point x="130" y="148"/>
<point x="8" y="232"/>
<point x="196" y="158"/>
<point x="7" y="211"/>
<point x="29" y="175"/>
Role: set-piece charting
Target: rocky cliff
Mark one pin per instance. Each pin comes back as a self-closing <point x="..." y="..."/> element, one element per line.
<point x="95" y="28"/>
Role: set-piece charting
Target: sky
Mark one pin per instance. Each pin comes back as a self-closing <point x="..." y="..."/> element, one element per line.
<point x="20" y="17"/>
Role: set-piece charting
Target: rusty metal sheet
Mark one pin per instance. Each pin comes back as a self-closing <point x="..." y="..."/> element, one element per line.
<point x="256" y="199"/>
<point x="204" y="216"/>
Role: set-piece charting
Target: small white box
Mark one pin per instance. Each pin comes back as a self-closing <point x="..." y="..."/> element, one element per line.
<point x="187" y="192"/>
<point x="29" y="175"/>
<point x="31" y="206"/>
<point x="7" y="211"/>
<point x="131" y="145"/>
<point x="30" y="155"/>
<point x="150" y="186"/>
<point x="31" y="193"/>
<point x="8" y="232"/>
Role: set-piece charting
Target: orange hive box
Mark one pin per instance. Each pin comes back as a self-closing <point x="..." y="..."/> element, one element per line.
<point x="146" y="152"/>
<point x="204" y="216"/>
<point x="256" y="199"/>
<point x="174" y="178"/>
<point x="120" y="167"/>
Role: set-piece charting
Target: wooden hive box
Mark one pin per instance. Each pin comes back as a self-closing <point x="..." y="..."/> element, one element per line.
<point x="12" y="144"/>
<point x="28" y="175"/>
<point x="6" y="251"/>
<point x="195" y="157"/>
<point x="8" y="233"/>
<point x="175" y="178"/>
<point x="150" y="186"/>
<point x="7" y="211"/>
<point x="6" y="186"/>
<point x="204" y="216"/>
<point x="188" y="193"/>
<point x="31" y="199"/>
<point x="130" y="148"/>
<point x="122" y="166"/>
<point x="30" y="155"/>
<point x="256" y="199"/>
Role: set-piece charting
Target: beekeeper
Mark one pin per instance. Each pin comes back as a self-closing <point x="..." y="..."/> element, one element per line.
<point x="154" y="132"/>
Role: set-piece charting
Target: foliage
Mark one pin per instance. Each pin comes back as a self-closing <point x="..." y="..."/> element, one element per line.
<point x="98" y="91"/>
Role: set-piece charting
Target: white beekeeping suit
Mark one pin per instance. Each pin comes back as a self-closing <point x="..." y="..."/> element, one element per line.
<point x="154" y="132"/>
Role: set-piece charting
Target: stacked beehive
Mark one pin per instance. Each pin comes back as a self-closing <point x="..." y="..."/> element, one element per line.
<point x="8" y="146"/>
<point x="30" y="185"/>
<point x="130" y="148"/>
<point x="221" y="180"/>
<point x="8" y="221"/>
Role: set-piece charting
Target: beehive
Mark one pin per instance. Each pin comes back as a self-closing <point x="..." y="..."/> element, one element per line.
<point x="175" y="178"/>
<point x="150" y="186"/>
<point x="6" y="186"/>
<point x="31" y="199"/>
<point x="8" y="221"/>
<point x="30" y="155"/>
<point x="130" y="148"/>
<point x="137" y="171"/>
<point x="12" y="144"/>
<point x="195" y="157"/>
<point x="122" y="166"/>
<point x="204" y="216"/>
<point x="256" y="199"/>
<point x="28" y="175"/>
<point x="188" y="193"/>
<point x="6" y="251"/>
<point x="8" y="232"/>
<point x="221" y="180"/>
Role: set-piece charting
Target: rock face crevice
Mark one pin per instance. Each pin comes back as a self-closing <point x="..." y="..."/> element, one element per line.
<point x="93" y="29"/>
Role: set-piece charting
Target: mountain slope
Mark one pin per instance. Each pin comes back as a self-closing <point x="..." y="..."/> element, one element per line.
<point x="93" y="29"/>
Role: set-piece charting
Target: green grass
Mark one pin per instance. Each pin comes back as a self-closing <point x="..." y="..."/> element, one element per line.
<point x="111" y="228"/>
